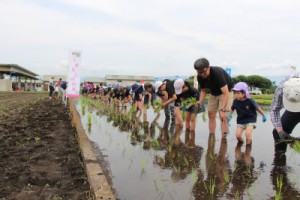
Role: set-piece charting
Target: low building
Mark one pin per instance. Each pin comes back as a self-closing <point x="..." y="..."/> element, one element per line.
<point x="46" y="78"/>
<point x="19" y="78"/>
<point x="124" y="80"/>
<point x="95" y="80"/>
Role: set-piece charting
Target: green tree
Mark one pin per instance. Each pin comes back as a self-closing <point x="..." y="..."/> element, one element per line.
<point x="259" y="81"/>
<point x="242" y="78"/>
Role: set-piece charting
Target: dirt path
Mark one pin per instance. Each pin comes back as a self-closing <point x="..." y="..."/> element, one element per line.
<point x="39" y="154"/>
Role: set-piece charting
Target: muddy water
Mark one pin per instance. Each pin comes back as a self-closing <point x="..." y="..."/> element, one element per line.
<point x="151" y="158"/>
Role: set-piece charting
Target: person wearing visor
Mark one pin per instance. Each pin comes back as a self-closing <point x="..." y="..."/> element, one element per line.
<point x="165" y="90"/>
<point x="246" y="112"/>
<point x="137" y="90"/>
<point x="184" y="92"/>
<point x="220" y="84"/>
<point x="287" y="95"/>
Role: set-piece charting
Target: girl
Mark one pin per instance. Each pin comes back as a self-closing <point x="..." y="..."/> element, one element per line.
<point x="185" y="91"/>
<point x="246" y="112"/>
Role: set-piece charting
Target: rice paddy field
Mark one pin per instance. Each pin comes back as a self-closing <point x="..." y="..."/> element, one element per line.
<point x="151" y="158"/>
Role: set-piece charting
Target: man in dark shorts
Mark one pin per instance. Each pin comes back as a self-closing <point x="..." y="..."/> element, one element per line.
<point x="220" y="84"/>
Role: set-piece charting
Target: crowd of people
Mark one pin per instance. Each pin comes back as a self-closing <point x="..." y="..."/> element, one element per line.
<point x="175" y="96"/>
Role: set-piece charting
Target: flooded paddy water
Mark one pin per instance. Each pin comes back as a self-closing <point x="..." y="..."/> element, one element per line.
<point x="150" y="158"/>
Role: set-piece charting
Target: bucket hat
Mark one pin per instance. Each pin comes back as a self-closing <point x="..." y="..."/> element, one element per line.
<point x="291" y="95"/>
<point x="157" y="85"/>
<point x="241" y="86"/>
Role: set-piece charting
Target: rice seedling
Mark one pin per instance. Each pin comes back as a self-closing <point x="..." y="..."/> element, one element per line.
<point x="210" y="188"/>
<point x="296" y="146"/>
<point x="237" y="195"/>
<point x="157" y="106"/>
<point x="83" y="108"/>
<point x="37" y="139"/>
<point x="143" y="163"/>
<point x="194" y="175"/>
<point x="226" y="177"/>
<point x="279" y="183"/>
<point x="89" y="119"/>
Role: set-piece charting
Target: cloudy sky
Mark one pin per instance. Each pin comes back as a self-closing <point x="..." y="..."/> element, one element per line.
<point x="153" y="37"/>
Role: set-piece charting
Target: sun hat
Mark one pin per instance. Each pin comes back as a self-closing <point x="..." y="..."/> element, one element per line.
<point x="178" y="84"/>
<point x="291" y="95"/>
<point x="241" y="86"/>
<point x="157" y="85"/>
<point x="134" y="88"/>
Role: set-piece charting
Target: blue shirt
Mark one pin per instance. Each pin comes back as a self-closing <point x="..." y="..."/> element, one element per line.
<point x="246" y="111"/>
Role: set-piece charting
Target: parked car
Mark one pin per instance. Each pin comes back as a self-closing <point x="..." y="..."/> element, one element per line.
<point x="255" y="91"/>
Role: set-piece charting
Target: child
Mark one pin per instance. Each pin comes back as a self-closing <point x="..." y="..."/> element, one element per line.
<point x="150" y="95"/>
<point x="168" y="87"/>
<point x="185" y="91"/>
<point x="246" y="112"/>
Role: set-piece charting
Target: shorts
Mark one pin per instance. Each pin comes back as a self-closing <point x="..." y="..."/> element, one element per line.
<point x="215" y="102"/>
<point x="146" y="99"/>
<point x="136" y="98"/>
<point x="244" y="126"/>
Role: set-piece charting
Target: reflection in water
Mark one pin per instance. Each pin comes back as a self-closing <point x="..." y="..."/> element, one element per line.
<point x="283" y="183"/>
<point x="218" y="171"/>
<point x="180" y="158"/>
<point x="244" y="174"/>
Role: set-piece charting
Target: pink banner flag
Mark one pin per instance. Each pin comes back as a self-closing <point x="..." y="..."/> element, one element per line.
<point x="73" y="78"/>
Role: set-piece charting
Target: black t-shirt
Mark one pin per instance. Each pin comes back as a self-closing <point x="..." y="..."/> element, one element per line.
<point x="125" y="92"/>
<point x="191" y="93"/>
<point x="63" y="85"/>
<point x="217" y="79"/>
<point x="246" y="111"/>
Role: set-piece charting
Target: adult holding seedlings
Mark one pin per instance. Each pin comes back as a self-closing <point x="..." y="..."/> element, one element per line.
<point x="190" y="95"/>
<point x="287" y="95"/>
<point x="246" y="112"/>
<point x="137" y="90"/>
<point x="220" y="84"/>
<point x="168" y="86"/>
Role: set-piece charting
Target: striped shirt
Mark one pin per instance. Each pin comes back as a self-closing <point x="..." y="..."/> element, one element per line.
<point x="277" y="103"/>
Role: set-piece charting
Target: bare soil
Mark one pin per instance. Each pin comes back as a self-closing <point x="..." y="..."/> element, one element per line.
<point x="39" y="153"/>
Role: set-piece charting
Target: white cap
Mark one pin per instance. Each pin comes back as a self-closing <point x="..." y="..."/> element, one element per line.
<point x="157" y="85"/>
<point x="291" y="95"/>
<point x="178" y="84"/>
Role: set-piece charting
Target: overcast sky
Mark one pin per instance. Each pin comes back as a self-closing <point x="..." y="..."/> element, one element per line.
<point x="151" y="37"/>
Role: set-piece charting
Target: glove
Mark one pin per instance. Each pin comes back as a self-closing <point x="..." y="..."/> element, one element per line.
<point x="201" y="108"/>
<point x="229" y="116"/>
<point x="264" y="118"/>
<point x="284" y="136"/>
